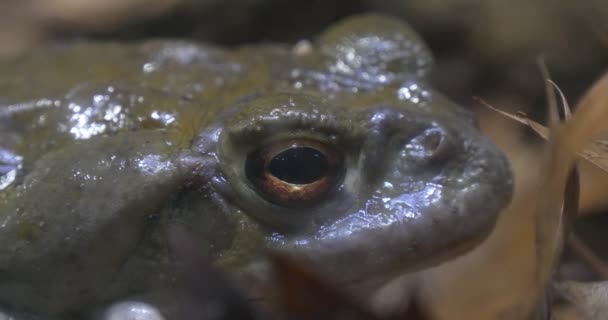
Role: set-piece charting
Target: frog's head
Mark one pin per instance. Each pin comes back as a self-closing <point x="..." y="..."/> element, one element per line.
<point x="337" y="152"/>
<point x="372" y="173"/>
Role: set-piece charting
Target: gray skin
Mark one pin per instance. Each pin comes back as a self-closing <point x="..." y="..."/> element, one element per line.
<point x="108" y="147"/>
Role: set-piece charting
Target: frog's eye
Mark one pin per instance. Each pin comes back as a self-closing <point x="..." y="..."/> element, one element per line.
<point x="294" y="172"/>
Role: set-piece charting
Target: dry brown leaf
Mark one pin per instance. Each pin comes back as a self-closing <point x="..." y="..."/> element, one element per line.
<point x="566" y="107"/>
<point x="565" y="142"/>
<point x="552" y="109"/>
<point x="549" y="225"/>
<point x="521" y="117"/>
<point x="559" y="179"/>
<point x="596" y="151"/>
<point x="590" y="116"/>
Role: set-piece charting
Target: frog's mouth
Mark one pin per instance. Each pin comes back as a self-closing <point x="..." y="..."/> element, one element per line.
<point x="263" y="280"/>
<point x="364" y="250"/>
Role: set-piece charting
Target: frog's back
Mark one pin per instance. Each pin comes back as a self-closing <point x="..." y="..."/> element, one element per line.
<point x="73" y="92"/>
<point x="181" y="66"/>
<point x="69" y="92"/>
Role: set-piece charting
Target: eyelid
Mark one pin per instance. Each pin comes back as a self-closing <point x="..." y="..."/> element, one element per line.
<point x="280" y="122"/>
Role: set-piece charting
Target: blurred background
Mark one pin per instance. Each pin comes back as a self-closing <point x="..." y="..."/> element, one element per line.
<point x="489" y="49"/>
<point x="482" y="47"/>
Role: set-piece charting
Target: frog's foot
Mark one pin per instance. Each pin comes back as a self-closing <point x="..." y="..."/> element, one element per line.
<point x="126" y="310"/>
<point x="10" y="164"/>
<point x="132" y="310"/>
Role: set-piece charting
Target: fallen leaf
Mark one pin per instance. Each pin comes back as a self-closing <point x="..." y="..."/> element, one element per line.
<point x="596" y="150"/>
<point x="565" y="142"/>
<point x="521" y="117"/>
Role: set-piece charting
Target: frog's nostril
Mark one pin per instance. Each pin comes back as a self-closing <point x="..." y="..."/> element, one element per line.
<point x="431" y="145"/>
<point x="432" y="141"/>
<point x="10" y="164"/>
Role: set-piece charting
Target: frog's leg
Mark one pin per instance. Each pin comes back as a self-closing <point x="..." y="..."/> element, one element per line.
<point x="79" y="214"/>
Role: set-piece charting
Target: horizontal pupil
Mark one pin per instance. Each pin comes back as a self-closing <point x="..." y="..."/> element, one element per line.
<point x="299" y="165"/>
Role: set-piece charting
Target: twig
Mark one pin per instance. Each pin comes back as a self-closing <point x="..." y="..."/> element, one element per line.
<point x="588" y="256"/>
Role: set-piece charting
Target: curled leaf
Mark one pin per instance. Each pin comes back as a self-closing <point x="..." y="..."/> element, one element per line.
<point x="521" y="117"/>
<point x="565" y="142"/>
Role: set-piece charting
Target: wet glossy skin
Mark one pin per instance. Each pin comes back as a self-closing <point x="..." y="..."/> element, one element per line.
<point x="107" y="147"/>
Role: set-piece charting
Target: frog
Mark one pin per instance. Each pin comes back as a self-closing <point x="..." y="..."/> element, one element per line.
<point x="335" y="151"/>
